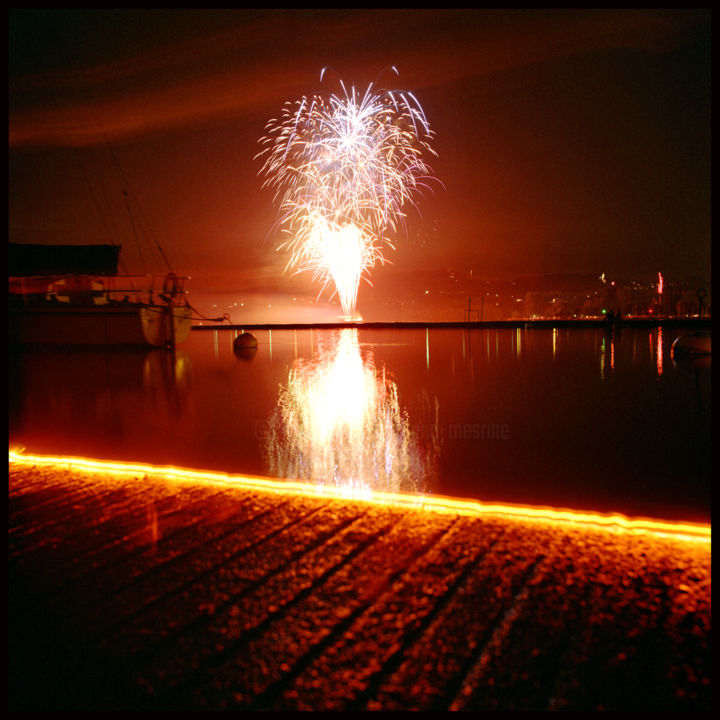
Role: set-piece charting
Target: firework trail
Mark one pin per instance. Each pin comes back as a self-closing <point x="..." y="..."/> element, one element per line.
<point x="344" y="167"/>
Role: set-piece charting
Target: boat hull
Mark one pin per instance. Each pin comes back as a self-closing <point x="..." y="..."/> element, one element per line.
<point x="122" y="325"/>
<point x="692" y="345"/>
<point x="165" y="326"/>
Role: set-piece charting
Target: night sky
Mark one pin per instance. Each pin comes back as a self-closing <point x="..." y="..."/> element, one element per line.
<point x="568" y="141"/>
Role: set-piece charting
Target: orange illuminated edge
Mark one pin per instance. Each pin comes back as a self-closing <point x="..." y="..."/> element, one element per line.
<point x="697" y="532"/>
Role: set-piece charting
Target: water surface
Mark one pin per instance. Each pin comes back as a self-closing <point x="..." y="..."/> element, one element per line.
<point x="579" y="418"/>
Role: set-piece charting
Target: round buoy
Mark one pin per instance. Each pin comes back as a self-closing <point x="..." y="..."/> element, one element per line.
<point x="245" y="346"/>
<point x="245" y="340"/>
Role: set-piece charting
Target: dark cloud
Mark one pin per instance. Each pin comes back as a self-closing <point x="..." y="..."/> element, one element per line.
<point x="262" y="57"/>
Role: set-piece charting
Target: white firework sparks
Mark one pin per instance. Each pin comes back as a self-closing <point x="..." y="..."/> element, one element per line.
<point x="344" y="167"/>
<point x="361" y="444"/>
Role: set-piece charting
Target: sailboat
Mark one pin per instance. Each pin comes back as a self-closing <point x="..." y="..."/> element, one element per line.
<point x="72" y="295"/>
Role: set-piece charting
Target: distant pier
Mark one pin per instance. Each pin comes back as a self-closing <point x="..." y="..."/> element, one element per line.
<point x="700" y="323"/>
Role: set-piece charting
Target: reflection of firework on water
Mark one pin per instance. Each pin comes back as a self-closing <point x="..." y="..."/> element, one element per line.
<point x="343" y="168"/>
<point x="339" y="423"/>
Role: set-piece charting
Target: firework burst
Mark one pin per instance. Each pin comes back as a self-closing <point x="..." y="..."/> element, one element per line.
<point x="344" y="169"/>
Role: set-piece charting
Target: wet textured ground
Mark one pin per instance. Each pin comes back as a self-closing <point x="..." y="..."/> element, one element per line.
<point x="147" y="593"/>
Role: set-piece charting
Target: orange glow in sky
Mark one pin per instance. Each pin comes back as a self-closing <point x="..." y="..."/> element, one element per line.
<point x="523" y="106"/>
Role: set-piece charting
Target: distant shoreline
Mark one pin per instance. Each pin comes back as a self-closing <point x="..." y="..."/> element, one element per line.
<point x="473" y="325"/>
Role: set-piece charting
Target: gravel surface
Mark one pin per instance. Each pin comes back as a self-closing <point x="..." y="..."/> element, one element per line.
<point x="146" y="593"/>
